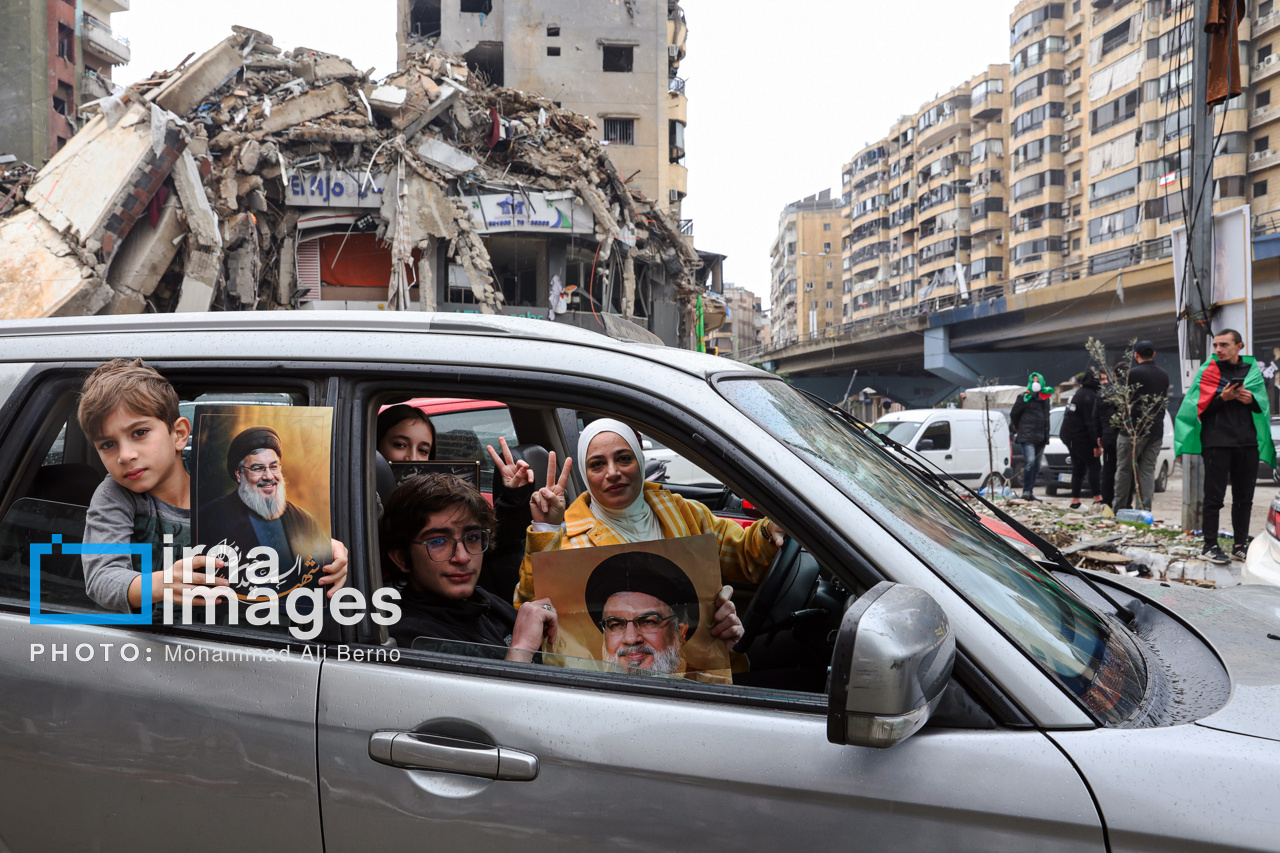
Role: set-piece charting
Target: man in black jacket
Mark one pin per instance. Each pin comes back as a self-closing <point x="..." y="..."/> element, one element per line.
<point x="1149" y="391"/>
<point x="1104" y="418"/>
<point x="1030" y="421"/>
<point x="1080" y="434"/>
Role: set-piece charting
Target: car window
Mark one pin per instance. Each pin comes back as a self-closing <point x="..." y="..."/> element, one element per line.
<point x="50" y="502"/>
<point x="462" y="437"/>
<point x="1055" y="422"/>
<point x="939" y="433"/>
<point x="793" y="655"/>
<point x="900" y="431"/>
<point x="1075" y="645"/>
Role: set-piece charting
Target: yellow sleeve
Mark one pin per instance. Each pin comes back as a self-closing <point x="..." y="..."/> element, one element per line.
<point x="534" y="543"/>
<point x="745" y="553"/>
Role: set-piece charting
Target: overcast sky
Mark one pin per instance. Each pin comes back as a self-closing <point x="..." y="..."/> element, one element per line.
<point x="780" y="94"/>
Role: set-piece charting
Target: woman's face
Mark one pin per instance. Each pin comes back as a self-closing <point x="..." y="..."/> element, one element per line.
<point x="408" y="441"/>
<point x="613" y="471"/>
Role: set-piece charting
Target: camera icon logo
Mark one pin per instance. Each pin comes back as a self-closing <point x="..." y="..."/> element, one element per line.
<point x="40" y="549"/>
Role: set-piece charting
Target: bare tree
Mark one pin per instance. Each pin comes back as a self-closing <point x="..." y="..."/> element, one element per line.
<point x="1135" y="413"/>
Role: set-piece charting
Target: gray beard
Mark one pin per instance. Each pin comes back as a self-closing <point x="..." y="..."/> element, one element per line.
<point x="269" y="508"/>
<point x="669" y="662"/>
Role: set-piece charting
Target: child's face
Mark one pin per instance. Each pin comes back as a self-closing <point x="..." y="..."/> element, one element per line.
<point x="141" y="452"/>
<point x="454" y="577"/>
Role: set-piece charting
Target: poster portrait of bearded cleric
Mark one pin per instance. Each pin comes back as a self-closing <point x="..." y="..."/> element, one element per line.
<point x="641" y="608"/>
<point x="243" y="489"/>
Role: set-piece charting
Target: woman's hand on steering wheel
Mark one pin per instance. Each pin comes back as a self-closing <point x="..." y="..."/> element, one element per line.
<point x="776" y="532"/>
<point x="547" y="504"/>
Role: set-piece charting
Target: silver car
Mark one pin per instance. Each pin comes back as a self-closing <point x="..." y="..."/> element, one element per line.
<point x="915" y="683"/>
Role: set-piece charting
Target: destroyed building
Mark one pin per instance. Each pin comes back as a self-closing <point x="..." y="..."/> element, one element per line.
<point x="253" y="178"/>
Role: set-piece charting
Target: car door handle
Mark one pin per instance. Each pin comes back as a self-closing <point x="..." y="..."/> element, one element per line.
<point x="423" y="751"/>
<point x="948" y="456"/>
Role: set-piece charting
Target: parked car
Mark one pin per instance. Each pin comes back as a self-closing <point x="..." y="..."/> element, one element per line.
<point x="1262" y="562"/>
<point x="1055" y="472"/>
<point x="954" y="440"/>
<point x="915" y="681"/>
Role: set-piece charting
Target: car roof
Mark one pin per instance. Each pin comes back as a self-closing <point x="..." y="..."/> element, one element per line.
<point x="195" y="326"/>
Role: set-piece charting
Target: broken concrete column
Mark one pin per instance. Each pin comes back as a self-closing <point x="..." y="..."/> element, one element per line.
<point x="628" y="286"/>
<point x="136" y="269"/>
<point x="201" y="219"/>
<point x="202" y="270"/>
<point x="202" y="77"/>
<point x="426" y="275"/>
<point x="305" y="107"/>
<point x="242" y="276"/>
<point x="285" y="278"/>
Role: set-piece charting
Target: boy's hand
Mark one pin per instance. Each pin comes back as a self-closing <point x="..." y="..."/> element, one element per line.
<point x="535" y="621"/>
<point x="181" y="590"/>
<point x="335" y="574"/>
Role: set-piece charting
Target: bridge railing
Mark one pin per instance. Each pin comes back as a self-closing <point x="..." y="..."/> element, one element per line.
<point x="1139" y="253"/>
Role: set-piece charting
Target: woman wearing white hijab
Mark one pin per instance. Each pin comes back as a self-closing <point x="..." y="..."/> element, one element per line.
<point x="620" y="507"/>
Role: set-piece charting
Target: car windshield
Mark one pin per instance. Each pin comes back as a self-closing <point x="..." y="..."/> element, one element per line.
<point x="1055" y="422"/>
<point x="900" y="431"/>
<point x="1075" y="645"/>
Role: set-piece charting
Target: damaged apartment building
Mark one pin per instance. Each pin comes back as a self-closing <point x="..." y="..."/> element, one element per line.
<point x="254" y="178"/>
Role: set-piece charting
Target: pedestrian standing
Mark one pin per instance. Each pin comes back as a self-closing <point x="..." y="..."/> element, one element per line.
<point x="1223" y="419"/>
<point x="1104" y="416"/>
<point x="1138" y="449"/>
<point x="1030" y="421"/>
<point x="1080" y="434"/>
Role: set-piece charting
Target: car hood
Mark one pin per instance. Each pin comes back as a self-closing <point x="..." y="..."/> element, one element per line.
<point x="1239" y="623"/>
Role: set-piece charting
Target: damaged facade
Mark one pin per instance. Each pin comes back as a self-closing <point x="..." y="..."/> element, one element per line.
<point x="254" y="178"/>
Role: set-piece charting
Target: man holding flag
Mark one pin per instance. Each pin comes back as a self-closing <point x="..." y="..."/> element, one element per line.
<point x="1222" y="419"/>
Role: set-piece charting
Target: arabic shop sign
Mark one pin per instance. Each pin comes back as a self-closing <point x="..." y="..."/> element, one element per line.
<point x="334" y="188"/>
<point x="531" y="211"/>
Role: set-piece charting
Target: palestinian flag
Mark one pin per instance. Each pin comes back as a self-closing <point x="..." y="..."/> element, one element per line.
<point x="1209" y="384"/>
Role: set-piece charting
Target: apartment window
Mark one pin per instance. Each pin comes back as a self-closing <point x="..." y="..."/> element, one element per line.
<point x="1035" y="183"/>
<point x="1262" y="99"/>
<point x="1114" y="225"/>
<point x="1153" y="48"/>
<point x="1114" y="187"/>
<point x="1261" y="144"/>
<point x="1116" y="37"/>
<point x="62" y="141"/>
<point x="59" y="106"/>
<point x="1259" y="189"/>
<point x="1075" y="245"/>
<point x="620" y="131"/>
<point x="66" y="43"/>
<point x="830" y="305"/>
<point x="830" y="285"/>
<point x="826" y="247"/>
<point x="1075" y="176"/>
<point x="1031" y="20"/>
<point x="1264" y="8"/>
<point x="828" y="264"/>
<point x="1032" y="250"/>
<point x="553" y="30"/>
<point x="826" y="226"/>
<point x="1232" y="187"/>
<point x="553" y="51"/>
<point x="1034" y="86"/>
<point x="1034" y="118"/>
<point x="986" y="266"/>
<point x="618" y="57"/>
<point x="1075" y="7"/>
<point x="476" y="7"/>
<point x="1110" y="114"/>
<point x="1263" y="53"/>
<point x="675" y="139"/>
<point x="808" y="285"/>
<point x="980" y="209"/>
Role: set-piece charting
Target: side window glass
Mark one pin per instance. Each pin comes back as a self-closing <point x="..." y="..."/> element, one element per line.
<point x="463" y="434"/>
<point x="939" y="434"/>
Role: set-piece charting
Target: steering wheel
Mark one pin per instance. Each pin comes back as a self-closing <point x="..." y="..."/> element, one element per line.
<point x="782" y="574"/>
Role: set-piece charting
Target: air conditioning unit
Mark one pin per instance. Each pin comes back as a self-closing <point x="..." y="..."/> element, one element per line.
<point x="1255" y="156"/>
<point x="1065" y="146"/>
<point x="673" y="50"/>
<point x="999" y="241"/>
<point x="673" y="196"/>
<point x="1259" y="111"/>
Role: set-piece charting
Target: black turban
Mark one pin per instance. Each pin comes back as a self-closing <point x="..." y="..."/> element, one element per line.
<point x="250" y="440"/>
<point x="639" y="571"/>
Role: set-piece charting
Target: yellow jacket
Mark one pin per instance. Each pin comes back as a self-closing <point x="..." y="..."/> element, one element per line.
<point x="745" y="553"/>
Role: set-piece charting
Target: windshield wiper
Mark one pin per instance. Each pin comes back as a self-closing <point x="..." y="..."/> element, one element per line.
<point x="935" y="476"/>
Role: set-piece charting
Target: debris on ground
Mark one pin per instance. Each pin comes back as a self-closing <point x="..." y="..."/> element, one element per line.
<point x="1095" y="541"/>
<point x="184" y="191"/>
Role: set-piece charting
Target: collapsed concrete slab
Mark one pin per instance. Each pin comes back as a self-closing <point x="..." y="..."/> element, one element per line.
<point x="202" y="77"/>
<point x="39" y="273"/>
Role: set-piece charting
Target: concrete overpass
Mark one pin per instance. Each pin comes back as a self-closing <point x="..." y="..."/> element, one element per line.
<point x="924" y="353"/>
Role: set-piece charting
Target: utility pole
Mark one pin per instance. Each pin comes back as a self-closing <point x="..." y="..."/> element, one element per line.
<point x="1200" y="243"/>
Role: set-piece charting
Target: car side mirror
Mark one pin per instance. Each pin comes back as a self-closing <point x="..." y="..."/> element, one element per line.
<point x="925" y="444"/>
<point x="646" y="444"/>
<point x="892" y="662"/>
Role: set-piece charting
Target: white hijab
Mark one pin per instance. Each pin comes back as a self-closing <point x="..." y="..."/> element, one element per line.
<point x="635" y="523"/>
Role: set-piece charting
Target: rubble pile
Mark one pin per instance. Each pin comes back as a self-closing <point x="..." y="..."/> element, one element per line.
<point x="1103" y="544"/>
<point x="176" y="196"/>
<point x="15" y="176"/>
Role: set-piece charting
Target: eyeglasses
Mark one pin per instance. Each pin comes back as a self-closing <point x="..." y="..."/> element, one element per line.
<point x="442" y="548"/>
<point x="649" y="623"/>
<point x="259" y="470"/>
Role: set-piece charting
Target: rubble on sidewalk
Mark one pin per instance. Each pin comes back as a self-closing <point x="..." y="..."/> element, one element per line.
<point x="1095" y="541"/>
<point x="185" y="191"/>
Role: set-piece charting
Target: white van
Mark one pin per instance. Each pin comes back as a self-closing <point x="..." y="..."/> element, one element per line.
<point x="953" y="439"/>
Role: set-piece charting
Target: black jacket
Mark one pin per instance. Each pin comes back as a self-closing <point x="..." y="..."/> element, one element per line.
<point x="1104" y="418"/>
<point x="483" y="618"/>
<point x="1229" y="423"/>
<point x="227" y="519"/>
<point x="1080" y="421"/>
<point x="1030" y="420"/>
<point x="501" y="572"/>
<point x="1145" y="379"/>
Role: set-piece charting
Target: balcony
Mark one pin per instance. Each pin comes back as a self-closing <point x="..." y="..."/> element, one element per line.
<point x="1075" y="55"/>
<point x="1266" y="68"/>
<point x="1073" y="189"/>
<point x="100" y="41"/>
<point x="110" y="7"/>
<point x="1074" y="156"/>
<point x="1263" y="115"/>
<point x="1260" y="160"/>
<point x="1076" y="21"/>
<point x="1072" y="225"/>
<point x="1266" y="24"/>
<point x="1073" y="89"/>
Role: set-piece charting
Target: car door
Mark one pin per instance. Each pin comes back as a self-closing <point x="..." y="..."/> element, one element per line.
<point x="939" y="449"/>
<point x="132" y="737"/>
<point x="495" y="755"/>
